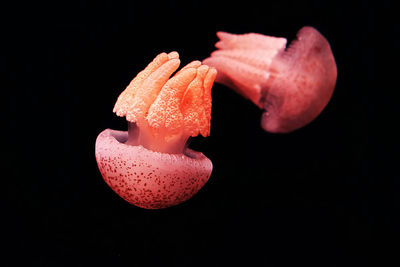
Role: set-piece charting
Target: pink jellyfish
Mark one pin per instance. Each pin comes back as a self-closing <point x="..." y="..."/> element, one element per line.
<point x="292" y="85"/>
<point x="150" y="165"/>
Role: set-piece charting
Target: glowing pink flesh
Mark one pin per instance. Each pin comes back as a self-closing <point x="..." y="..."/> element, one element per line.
<point x="150" y="165"/>
<point x="149" y="179"/>
<point x="293" y="85"/>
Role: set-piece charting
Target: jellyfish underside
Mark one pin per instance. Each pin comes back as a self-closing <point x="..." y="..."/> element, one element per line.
<point x="292" y="85"/>
<point x="150" y="166"/>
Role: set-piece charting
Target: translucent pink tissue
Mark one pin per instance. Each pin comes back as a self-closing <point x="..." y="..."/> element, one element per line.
<point x="293" y="85"/>
<point x="149" y="179"/>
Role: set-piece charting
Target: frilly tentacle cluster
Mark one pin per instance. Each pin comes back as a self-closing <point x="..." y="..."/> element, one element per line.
<point x="169" y="106"/>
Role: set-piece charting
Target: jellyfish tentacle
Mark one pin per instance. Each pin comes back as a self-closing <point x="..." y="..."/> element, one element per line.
<point x="125" y="100"/>
<point x="164" y="113"/>
<point x="258" y="58"/>
<point x="150" y="89"/>
<point x="240" y="76"/>
<point x="192" y="103"/>
<point x="249" y="41"/>
<point x="208" y="83"/>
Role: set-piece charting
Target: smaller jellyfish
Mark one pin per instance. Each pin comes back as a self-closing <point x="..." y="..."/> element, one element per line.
<point x="150" y="165"/>
<point x="292" y="85"/>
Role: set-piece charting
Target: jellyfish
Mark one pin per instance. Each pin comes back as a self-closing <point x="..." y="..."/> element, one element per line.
<point x="292" y="85"/>
<point x="150" y="164"/>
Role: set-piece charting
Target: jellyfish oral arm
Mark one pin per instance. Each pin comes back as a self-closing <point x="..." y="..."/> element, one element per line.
<point x="150" y="166"/>
<point x="292" y="85"/>
<point x="163" y="113"/>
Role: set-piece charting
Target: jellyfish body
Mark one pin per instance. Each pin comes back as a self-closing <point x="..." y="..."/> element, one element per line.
<point x="150" y="165"/>
<point x="292" y="85"/>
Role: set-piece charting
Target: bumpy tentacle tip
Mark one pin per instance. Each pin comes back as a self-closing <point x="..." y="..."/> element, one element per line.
<point x="292" y="85"/>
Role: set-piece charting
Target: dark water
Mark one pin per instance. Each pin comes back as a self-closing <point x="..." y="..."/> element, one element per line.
<point x="324" y="195"/>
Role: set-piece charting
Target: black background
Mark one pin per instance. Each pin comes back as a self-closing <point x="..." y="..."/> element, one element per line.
<point x="324" y="195"/>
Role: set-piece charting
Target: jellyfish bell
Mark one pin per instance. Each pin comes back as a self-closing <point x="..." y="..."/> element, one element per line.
<point x="147" y="178"/>
<point x="292" y="85"/>
<point x="150" y="165"/>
